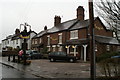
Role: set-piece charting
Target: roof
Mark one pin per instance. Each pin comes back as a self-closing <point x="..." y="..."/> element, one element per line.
<point x="106" y="40"/>
<point x="40" y="34"/>
<point x="68" y="25"/>
<point x="17" y="36"/>
<point x="63" y="26"/>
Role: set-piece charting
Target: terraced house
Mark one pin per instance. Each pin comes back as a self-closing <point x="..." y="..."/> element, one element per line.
<point x="73" y="38"/>
<point x="14" y="41"/>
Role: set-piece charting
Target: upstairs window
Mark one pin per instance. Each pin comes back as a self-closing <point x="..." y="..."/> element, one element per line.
<point x="40" y="40"/>
<point x="35" y="41"/>
<point x="74" y="34"/>
<point x="48" y="40"/>
<point x="60" y="38"/>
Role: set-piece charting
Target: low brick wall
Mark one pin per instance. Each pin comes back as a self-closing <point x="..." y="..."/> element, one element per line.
<point x="6" y="53"/>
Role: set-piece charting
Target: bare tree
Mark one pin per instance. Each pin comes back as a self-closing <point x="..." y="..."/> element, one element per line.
<point x="109" y="10"/>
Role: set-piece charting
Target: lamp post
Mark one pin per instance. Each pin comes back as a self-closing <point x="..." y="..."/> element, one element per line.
<point x="92" y="42"/>
<point x="24" y="35"/>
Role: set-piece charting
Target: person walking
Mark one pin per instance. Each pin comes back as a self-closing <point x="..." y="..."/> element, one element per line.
<point x="20" y="54"/>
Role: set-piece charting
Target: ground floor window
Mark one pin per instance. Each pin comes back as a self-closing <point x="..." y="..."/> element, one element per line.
<point x="108" y="47"/>
<point x="60" y="48"/>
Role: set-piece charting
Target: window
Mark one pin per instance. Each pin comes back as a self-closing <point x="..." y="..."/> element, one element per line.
<point x="60" y="48"/>
<point x="8" y="41"/>
<point x="74" y="34"/>
<point x="60" y="38"/>
<point x="48" y="48"/>
<point x="108" y="47"/>
<point x="40" y="40"/>
<point x="53" y="48"/>
<point x="13" y="42"/>
<point x="114" y="34"/>
<point x="48" y="39"/>
<point x="17" y="41"/>
<point x="35" y="41"/>
<point x="118" y="48"/>
<point x="96" y="47"/>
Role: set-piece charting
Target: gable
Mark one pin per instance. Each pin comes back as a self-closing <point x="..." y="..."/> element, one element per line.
<point x="100" y="28"/>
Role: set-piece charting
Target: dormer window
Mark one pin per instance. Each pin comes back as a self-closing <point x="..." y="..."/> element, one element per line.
<point x="74" y="34"/>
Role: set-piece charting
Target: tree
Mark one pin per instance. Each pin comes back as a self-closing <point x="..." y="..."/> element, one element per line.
<point x="109" y="10"/>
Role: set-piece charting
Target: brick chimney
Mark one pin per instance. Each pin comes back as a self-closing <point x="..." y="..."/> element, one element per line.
<point x="45" y="28"/>
<point x="57" y="20"/>
<point x="80" y="13"/>
<point x="17" y="31"/>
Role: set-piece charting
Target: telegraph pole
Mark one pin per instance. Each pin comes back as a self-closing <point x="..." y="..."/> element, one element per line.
<point x="92" y="42"/>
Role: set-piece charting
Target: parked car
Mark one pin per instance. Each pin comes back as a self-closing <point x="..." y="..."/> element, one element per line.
<point x="118" y="56"/>
<point x="53" y="56"/>
<point x="33" y="54"/>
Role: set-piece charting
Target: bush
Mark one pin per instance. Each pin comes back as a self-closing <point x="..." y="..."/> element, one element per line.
<point x="106" y="56"/>
<point x="110" y="67"/>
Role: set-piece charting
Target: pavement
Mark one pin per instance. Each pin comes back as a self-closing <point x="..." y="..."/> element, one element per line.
<point x="43" y="68"/>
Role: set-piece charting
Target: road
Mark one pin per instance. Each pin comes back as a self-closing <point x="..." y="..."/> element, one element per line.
<point x="8" y="72"/>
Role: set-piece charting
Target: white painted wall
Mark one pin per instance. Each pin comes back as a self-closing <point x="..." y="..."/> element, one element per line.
<point x="29" y="41"/>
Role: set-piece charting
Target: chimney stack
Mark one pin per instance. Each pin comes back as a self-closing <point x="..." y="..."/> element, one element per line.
<point x="57" y="20"/>
<point x="80" y="13"/>
<point x="45" y="28"/>
<point x="17" y="31"/>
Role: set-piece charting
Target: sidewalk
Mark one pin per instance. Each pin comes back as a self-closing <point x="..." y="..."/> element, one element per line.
<point x="45" y="69"/>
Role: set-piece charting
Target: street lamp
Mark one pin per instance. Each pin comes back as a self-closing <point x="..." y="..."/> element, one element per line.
<point x="24" y="35"/>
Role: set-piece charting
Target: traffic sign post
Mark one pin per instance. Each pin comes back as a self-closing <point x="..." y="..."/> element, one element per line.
<point x="24" y="35"/>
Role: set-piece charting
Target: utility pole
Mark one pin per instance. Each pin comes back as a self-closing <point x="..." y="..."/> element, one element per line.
<point x="92" y="41"/>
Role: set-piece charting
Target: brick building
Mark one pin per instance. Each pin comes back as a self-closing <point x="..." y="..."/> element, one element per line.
<point x="72" y="37"/>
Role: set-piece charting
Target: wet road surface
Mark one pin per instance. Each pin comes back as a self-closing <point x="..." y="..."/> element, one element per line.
<point x="8" y="72"/>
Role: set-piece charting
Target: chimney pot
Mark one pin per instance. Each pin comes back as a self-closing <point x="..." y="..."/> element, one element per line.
<point x="17" y="31"/>
<point x="45" y="28"/>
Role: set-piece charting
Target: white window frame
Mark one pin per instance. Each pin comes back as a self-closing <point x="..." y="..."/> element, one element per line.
<point x="36" y="41"/>
<point x="48" y="40"/>
<point x="60" y="38"/>
<point x="54" y="48"/>
<point x="60" y="48"/>
<point x="16" y="41"/>
<point x="40" y="40"/>
<point x="33" y="41"/>
<point x="74" y="34"/>
<point x="96" y="49"/>
<point x="108" y="47"/>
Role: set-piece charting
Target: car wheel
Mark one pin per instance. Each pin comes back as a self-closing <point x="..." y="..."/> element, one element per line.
<point x="52" y="60"/>
<point x="71" y="60"/>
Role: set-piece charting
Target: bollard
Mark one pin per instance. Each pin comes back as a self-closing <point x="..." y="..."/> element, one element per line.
<point x="13" y="58"/>
<point x="8" y="57"/>
<point x="18" y="59"/>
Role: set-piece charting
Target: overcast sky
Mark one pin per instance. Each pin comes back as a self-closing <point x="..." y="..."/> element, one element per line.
<point x="37" y="13"/>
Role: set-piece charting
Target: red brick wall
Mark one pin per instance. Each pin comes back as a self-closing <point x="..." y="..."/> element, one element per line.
<point x="100" y="29"/>
<point x="82" y="33"/>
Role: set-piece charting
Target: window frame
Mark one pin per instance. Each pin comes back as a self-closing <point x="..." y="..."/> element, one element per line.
<point x="74" y="34"/>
